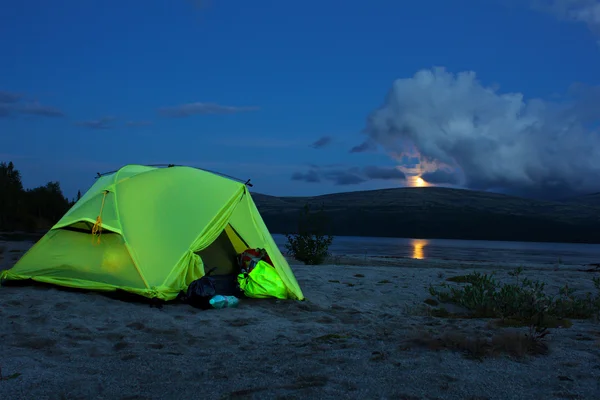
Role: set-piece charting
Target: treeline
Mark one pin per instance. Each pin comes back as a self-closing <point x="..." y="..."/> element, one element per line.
<point x="29" y="209"/>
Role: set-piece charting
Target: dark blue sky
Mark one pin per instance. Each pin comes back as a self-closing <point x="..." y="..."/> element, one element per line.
<point x="246" y="87"/>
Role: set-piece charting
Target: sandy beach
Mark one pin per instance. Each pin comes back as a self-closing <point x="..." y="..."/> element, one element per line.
<point x="364" y="332"/>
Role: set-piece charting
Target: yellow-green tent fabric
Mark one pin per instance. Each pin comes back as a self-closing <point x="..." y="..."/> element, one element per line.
<point x="159" y="227"/>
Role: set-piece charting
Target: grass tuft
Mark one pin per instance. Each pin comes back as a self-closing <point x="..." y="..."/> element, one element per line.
<point x="545" y="322"/>
<point x="9" y="377"/>
<point x="524" y="300"/>
<point x="461" y="279"/>
<point x="520" y="304"/>
<point x="431" y="302"/>
<point x="478" y="346"/>
<point x="332" y="337"/>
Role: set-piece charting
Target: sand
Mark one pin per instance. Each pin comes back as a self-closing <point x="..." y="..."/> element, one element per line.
<point x="353" y="337"/>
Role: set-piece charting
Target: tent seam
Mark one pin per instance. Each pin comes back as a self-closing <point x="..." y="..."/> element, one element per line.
<point x="129" y="250"/>
<point x="116" y="174"/>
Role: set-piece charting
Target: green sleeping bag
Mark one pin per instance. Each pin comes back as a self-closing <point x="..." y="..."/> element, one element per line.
<point x="262" y="281"/>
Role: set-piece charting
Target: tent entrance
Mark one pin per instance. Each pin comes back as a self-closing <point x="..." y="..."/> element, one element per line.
<point x="222" y="253"/>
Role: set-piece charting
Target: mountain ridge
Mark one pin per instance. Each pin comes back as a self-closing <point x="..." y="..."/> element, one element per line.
<point x="435" y="212"/>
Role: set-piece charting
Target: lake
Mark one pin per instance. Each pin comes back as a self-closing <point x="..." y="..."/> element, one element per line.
<point x="464" y="250"/>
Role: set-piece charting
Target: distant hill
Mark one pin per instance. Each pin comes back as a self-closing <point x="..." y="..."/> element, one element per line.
<point x="441" y="213"/>
<point x="592" y="200"/>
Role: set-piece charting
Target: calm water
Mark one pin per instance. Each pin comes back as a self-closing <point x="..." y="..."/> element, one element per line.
<point x="464" y="250"/>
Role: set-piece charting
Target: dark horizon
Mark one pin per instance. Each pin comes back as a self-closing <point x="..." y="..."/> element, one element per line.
<point x="255" y="190"/>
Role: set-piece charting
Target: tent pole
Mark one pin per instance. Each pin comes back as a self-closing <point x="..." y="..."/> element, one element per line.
<point x="247" y="183"/>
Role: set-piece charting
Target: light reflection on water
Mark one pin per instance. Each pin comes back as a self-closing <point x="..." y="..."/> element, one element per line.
<point x="418" y="245"/>
<point x="463" y="250"/>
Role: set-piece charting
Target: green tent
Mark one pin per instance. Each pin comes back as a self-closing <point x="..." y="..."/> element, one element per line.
<point x="152" y="231"/>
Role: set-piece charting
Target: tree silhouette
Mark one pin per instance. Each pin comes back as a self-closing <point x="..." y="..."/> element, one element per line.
<point x="31" y="209"/>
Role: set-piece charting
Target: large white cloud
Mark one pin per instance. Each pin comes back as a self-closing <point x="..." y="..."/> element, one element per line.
<point x="492" y="140"/>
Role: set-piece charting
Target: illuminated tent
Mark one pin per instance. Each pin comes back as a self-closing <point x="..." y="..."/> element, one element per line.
<point x="152" y="231"/>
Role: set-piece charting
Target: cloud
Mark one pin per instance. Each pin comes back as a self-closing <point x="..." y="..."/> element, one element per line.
<point x="367" y="145"/>
<point x="347" y="176"/>
<point x="350" y="176"/>
<point x="322" y="142"/>
<point x="8" y="97"/>
<point x="39" y="109"/>
<point x="383" y="173"/>
<point x="190" y="109"/>
<point x="102" y="123"/>
<point x="5" y="110"/>
<point x="138" y="123"/>
<point x="440" y="177"/>
<point x="585" y="11"/>
<point x="13" y="104"/>
<point x="488" y="140"/>
<point x="311" y="176"/>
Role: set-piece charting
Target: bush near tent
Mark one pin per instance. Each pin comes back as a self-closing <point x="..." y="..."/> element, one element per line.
<point x="310" y="244"/>
<point x="153" y="231"/>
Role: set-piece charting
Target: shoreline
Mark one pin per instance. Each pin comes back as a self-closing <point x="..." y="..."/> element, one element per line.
<point x="407" y="262"/>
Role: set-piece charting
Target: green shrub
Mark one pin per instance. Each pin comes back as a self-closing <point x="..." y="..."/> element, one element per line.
<point x="523" y="301"/>
<point x="310" y="245"/>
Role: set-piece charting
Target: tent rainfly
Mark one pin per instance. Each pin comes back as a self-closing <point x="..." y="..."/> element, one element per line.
<point x="152" y="231"/>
